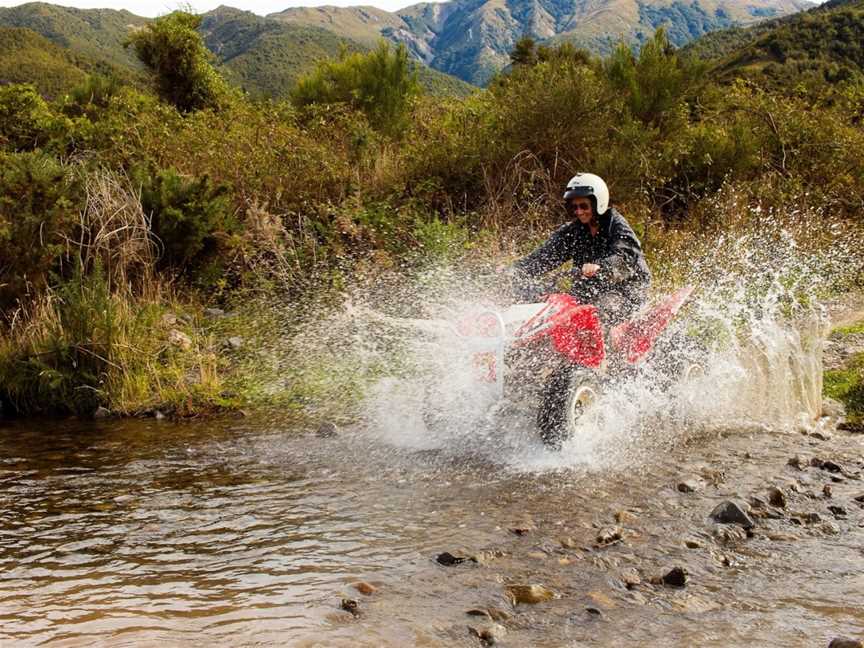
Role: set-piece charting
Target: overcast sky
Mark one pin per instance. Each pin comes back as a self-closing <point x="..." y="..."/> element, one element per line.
<point x="261" y="7"/>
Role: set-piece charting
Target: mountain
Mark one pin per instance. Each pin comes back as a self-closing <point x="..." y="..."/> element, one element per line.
<point x="266" y="57"/>
<point x="97" y="33"/>
<point x="261" y="55"/>
<point x="823" y="44"/>
<point x="472" y="39"/>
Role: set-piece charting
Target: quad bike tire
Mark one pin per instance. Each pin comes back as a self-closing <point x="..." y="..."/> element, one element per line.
<point x="565" y="397"/>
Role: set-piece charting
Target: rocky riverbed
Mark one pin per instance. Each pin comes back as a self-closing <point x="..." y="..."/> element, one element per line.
<point x="251" y="532"/>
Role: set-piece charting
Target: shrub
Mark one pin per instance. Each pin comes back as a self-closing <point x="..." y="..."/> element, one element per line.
<point x="40" y="199"/>
<point x="26" y="122"/>
<point x="380" y="83"/>
<point x="174" y="51"/>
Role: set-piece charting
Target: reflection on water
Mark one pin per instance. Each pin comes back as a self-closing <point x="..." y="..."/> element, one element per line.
<point x="233" y="533"/>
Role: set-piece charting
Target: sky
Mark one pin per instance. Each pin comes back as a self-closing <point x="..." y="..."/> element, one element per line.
<point x="151" y="8"/>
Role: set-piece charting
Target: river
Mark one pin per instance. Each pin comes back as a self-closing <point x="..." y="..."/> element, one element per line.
<point x="248" y="533"/>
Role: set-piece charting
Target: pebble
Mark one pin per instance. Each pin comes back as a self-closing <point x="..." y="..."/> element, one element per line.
<point x="365" y="588"/>
<point x="829" y="528"/>
<point x="327" y="430"/>
<point x="350" y="605"/>
<point x="102" y="413"/>
<point x="776" y="497"/>
<point x="609" y="535"/>
<point x="529" y="594"/>
<point x="844" y="642"/>
<point x="692" y="543"/>
<point x="626" y="517"/>
<point x="730" y="512"/>
<point x="688" y="487"/>
<point x="838" y="511"/>
<point x="448" y="560"/>
<point x="826" y="490"/>
<point x="490" y="634"/>
<point x="676" y="577"/>
<point x="798" y="462"/>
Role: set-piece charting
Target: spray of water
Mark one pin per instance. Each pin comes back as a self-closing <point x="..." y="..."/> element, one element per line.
<point x="755" y="319"/>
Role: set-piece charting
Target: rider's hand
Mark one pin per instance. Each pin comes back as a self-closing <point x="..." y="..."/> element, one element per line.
<point x="590" y="269"/>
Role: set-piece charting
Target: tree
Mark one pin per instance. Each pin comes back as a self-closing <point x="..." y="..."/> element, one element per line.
<point x="173" y="50"/>
<point x="524" y="52"/>
<point x="380" y="83"/>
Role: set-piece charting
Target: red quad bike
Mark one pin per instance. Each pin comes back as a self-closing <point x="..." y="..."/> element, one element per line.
<point x="554" y="356"/>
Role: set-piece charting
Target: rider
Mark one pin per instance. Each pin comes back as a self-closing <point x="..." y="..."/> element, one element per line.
<point x="609" y="268"/>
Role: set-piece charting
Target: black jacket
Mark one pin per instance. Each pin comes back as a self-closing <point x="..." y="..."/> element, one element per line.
<point x="615" y="249"/>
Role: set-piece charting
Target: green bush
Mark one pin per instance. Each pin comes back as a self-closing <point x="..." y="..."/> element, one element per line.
<point x="40" y="200"/>
<point x="26" y="122"/>
<point x="190" y="216"/>
<point x="380" y="83"/>
<point x="174" y="51"/>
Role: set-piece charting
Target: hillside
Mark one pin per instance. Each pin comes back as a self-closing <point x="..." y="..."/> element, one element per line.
<point x="823" y="44"/>
<point x="261" y="55"/>
<point x="96" y="33"/>
<point x="25" y="57"/>
<point x="472" y="39"/>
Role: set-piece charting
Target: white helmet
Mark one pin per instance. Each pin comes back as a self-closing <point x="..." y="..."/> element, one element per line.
<point x="588" y="185"/>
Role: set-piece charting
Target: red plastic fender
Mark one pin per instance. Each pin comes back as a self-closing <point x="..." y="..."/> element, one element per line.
<point x="636" y="337"/>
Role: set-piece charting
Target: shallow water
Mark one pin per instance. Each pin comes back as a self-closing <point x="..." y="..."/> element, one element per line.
<point x="250" y="533"/>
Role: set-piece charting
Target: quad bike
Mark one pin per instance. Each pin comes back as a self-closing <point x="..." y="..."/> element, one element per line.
<point x="555" y="356"/>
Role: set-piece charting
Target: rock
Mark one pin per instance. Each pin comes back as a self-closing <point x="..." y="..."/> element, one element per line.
<point x="688" y="487"/>
<point x="812" y="517"/>
<point x="826" y="490"/>
<point x="676" y="577"/>
<point x="168" y="320"/>
<point x="327" y="430"/>
<point x="490" y="634"/>
<point x="859" y="498"/>
<point x="631" y="578"/>
<point x="855" y="427"/>
<point x="776" y="497"/>
<point x="158" y="415"/>
<point x="448" y="560"/>
<point x="568" y="543"/>
<point x="798" y="462"/>
<point x="730" y="535"/>
<point x="730" y="512"/>
<point x="602" y="600"/>
<point x="843" y="642"/>
<point x="350" y="605"/>
<point x="365" y="588"/>
<point x="478" y="612"/>
<point x="838" y="511"/>
<point x="498" y="614"/>
<point x="214" y="313"/>
<point x="102" y="413"/>
<point x="832" y="407"/>
<point x="235" y="342"/>
<point x="816" y="462"/>
<point x="609" y="535"/>
<point x="692" y="543"/>
<point x="831" y="467"/>
<point x="626" y="517"/>
<point x="521" y="530"/>
<point x="829" y="528"/>
<point x="529" y="594"/>
<point x="781" y="537"/>
<point x="594" y="611"/>
<point x="179" y="339"/>
<point x="486" y="557"/>
<point x="820" y="435"/>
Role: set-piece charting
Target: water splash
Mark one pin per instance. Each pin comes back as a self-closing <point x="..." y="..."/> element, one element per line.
<point x="756" y="316"/>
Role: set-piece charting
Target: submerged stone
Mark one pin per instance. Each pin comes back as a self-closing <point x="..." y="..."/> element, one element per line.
<point x="529" y="594"/>
<point x="730" y="512"/>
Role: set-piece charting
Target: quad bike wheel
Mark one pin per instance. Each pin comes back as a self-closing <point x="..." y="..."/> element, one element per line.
<point x="566" y="396"/>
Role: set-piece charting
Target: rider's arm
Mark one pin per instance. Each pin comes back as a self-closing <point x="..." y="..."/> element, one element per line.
<point x="548" y="256"/>
<point x="625" y="252"/>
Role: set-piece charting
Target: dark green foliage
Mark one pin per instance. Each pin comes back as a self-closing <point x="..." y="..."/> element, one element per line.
<point x="174" y="51"/>
<point x="190" y="216"/>
<point x="25" y="120"/>
<point x="39" y="204"/>
<point x="656" y="82"/>
<point x="381" y="84"/>
<point x="524" y="52"/>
